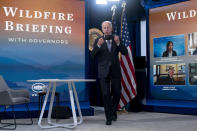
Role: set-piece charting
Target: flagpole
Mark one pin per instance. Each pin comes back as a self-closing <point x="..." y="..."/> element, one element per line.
<point x="121" y="22"/>
<point x="123" y="110"/>
<point x="113" y="9"/>
<point x="122" y="15"/>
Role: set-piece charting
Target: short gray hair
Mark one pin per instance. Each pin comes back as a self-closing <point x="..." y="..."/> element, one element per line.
<point x="109" y="22"/>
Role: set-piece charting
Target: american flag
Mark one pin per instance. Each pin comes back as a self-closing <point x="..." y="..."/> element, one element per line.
<point x="128" y="79"/>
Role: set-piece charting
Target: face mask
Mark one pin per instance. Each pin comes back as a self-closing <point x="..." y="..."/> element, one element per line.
<point x="108" y="37"/>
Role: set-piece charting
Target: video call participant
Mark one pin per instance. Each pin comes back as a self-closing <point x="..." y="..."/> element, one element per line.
<point x="106" y="50"/>
<point x="170" y="80"/>
<point x="195" y="51"/>
<point x="166" y="80"/>
<point x="169" y="50"/>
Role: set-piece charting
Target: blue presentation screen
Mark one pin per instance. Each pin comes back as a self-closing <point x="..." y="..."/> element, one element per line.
<point x="173" y="51"/>
<point x="42" y="39"/>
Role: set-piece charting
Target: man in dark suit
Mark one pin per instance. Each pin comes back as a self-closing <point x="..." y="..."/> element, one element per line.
<point x="170" y="80"/>
<point x="195" y="51"/>
<point x="106" y="49"/>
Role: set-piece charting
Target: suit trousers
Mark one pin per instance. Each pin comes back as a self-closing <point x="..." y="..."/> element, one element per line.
<point x="111" y="91"/>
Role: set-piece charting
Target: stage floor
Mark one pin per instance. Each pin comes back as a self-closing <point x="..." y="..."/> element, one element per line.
<point x="141" y="121"/>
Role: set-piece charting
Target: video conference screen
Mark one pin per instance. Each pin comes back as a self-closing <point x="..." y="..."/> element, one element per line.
<point x="173" y="51"/>
<point x="42" y="39"/>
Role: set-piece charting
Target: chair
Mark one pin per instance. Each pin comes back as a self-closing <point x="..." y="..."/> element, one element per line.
<point x="9" y="97"/>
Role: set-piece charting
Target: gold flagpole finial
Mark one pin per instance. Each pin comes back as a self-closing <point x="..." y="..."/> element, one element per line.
<point x="123" y="4"/>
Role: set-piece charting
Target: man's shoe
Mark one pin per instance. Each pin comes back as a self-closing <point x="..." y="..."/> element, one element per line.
<point x="114" y="117"/>
<point x="108" y="122"/>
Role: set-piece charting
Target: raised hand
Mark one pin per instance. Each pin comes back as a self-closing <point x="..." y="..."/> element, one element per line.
<point x="117" y="39"/>
<point x="100" y="41"/>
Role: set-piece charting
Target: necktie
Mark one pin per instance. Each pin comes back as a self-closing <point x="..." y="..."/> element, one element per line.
<point x="109" y="45"/>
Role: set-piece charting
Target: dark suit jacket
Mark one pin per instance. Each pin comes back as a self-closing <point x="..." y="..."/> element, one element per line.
<point x="108" y="62"/>
<point x="195" y="52"/>
<point x="165" y="81"/>
<point x="169" y="80"/>
<point x="165" y="54"/>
